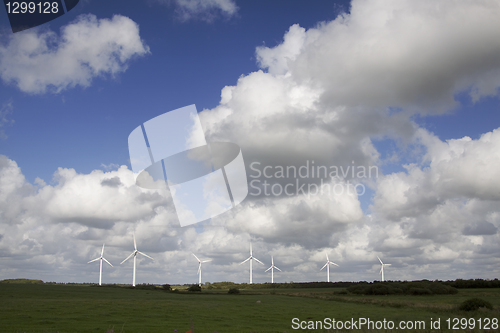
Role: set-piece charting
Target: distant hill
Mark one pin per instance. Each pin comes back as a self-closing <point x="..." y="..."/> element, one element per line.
<point x="22" y="281"/>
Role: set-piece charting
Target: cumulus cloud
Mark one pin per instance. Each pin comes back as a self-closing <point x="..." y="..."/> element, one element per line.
<point x="311" y="219"/>
<point x="396" y="53"/>
<point x="323" y="95"/>
<point x="326" y="93"/>
<point x="444" y="209"/>
<point x="54" y="240"/>
<point x="277" y="59"/>
<point x="13" y="187"/>
<point x="37" y="61"/>
<point x="459" y="168"/>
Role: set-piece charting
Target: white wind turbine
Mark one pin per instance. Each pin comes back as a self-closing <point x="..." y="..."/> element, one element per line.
<point x="382" y="268"/>
<point x="199" y="268"/>
<point x="101" y="258"/>
<point x="327" y="265"/>
<point x="134" y="254"/>
<point x="251" y="258"/>
<point x="272" y="269"/>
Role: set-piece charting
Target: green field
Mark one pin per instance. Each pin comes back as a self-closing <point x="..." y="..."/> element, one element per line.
<point x="70" y="308"/>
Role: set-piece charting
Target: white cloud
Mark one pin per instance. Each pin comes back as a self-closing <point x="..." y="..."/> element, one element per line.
<point x="308" y="219"/>
<point x="55" y="229"/>
<point x="397" y="53"/>
<point x="38" y="61"/>
<point x="459" y="168"/>
<point x="327" y="94"/>
<point x="446" y="209"/>
<point x="13" y="187"/>
<point x="329" y="91"/>
<point x="276" y="59"/>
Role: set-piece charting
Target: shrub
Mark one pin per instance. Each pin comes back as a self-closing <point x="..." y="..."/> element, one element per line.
<point x="234" y="291"/>
<point x="379" y="289"/>
<point x="441" y="289"/>
<point x="145" y="286"/>
<point x="420" y="291"/>
<point x="358" y="289"/>
<point x="474" y="304"/>
<point x="167" y="287"/>
<point x="194" y="287"/>
<point x="423" y="287"/>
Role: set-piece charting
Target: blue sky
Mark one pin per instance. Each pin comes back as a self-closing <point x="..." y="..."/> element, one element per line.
<point x="190" y="62"/>
<point x="411" y="89"/>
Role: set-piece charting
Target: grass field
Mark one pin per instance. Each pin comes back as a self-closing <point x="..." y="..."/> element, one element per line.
<point x="69" y="308"/>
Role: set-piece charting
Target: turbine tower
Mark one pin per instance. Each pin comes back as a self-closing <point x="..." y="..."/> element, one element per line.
<point x="272" y="269"/>
<point x="101" y="258"/>
<point x="251" y="258"/>
<point x="199" y="268"/>
<point x="327" y="265"/>
<point x="134" y="254"/>
<point x="382" y="268"/>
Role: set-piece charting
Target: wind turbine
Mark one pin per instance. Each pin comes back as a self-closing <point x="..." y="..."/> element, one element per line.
<point x="272" y="269"/>
<point x="382" y="268"/>
<point x="251" y="258"/>
<point x="101" y="258"/>
<point x="134" y="254"/>
<point x="327" y="265"/>
<point x="199" y="268"/>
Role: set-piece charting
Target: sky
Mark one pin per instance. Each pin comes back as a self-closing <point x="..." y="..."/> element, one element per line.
<point x="397" y="99"/>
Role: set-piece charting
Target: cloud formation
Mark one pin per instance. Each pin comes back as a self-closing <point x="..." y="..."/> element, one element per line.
<point x="39" y="61"/>
<point x="396" y="53"/>
<point x="459" y="168"/>
<point x="324" y="94"/>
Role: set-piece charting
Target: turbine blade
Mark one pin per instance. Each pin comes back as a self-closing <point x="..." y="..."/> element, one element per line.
<point x="258" y="261"/>
<point x="93" y="260"/>
<point x="130" y="256"/>
<point x="195" y="256"/>
<point x="207" y="260"/>
<point x="245" y="261"/>
<point x="277" y="268"/>
<point x="144" y="254"/>
<point x="327" y="257"/>
<point x="199" y="268"/>
<point x="387" y="264"/>
<point x="380" y="260"/>
<point x="268" y="269"/>
<point x="334" y="264"/>
<point x="381" y="269"/>
<point x="323" y="266"/>
<point x="107" y="261"/>
<point x="250" y="249"/>
<point x="102" y="251"/>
